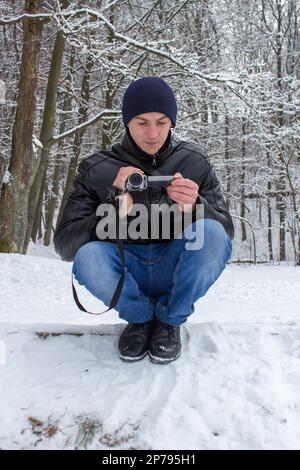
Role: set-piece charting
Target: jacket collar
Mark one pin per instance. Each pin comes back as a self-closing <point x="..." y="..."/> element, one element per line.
<point x="129" y="150"/>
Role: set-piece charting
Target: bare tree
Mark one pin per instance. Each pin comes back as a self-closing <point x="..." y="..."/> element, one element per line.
<point x="23" y="161"/>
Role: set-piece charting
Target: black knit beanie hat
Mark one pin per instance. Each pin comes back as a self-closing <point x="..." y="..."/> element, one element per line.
<point x="149" y="95"/>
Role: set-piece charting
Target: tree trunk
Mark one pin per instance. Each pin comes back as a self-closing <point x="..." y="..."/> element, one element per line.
<point x="227" y="166"/>
<point x="280" y="120"/>
<point x="107" y="128"/>
<point x="58" y="164"/>
<point x="23" y="161"/>
<point x="269" y="207"/>
<point x="243" y="207"/>
<point x="2" y="169"/>
<point x="37" y="190"/>
<point x="83" y="112"/>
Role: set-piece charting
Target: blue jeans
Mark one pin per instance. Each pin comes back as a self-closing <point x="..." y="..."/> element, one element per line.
<point x="162" y="279"/>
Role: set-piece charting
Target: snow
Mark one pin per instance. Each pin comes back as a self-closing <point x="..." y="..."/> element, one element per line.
<point x="2" y="92"/>
<point x="7" y="177"/>
<point x="36" y="144"/>
<point x="236" y="385"/>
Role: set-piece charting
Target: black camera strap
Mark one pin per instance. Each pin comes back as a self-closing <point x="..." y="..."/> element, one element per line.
<point x="118" y="290"/>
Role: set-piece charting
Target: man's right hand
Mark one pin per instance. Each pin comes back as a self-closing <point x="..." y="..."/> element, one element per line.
<point x="123" y="174"/>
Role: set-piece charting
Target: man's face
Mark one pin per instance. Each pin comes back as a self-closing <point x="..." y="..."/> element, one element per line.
<point x="150" y="131"/>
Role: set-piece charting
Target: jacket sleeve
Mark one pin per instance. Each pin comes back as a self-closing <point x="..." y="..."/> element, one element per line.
<point x="79" y="219"/>
<point x="211" y="197"/>
<point x="214" y="204"/>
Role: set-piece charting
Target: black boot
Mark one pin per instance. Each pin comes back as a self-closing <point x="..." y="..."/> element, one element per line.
<point x="134" y="341"/>
<point x="165" y="344"/>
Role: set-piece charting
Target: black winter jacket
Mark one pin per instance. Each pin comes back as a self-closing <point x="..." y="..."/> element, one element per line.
<point x="92" y="186"/>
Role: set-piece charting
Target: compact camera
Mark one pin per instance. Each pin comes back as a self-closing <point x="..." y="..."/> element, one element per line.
<point x="138" y="182"/>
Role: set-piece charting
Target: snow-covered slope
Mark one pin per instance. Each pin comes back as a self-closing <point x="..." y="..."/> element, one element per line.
<point x="236" y="385"/>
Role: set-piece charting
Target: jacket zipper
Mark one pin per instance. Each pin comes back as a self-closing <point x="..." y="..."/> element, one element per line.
<point x="154" y="160"/>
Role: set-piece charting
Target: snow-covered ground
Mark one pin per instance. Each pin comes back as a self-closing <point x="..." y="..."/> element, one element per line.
<point x="236" y="385"/>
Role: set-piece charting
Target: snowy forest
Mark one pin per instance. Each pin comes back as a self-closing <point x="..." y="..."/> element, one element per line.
<point x="234" y="66"/>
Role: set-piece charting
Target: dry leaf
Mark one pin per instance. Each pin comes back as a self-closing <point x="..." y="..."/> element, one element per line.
<point x="35" y="421"/>
<point x="51" y="430"/>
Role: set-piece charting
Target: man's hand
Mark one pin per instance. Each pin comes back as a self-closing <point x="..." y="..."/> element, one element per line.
<point x="183" y="191"/>
<point x="123" y="174"/>
<point x="125" y="200"/>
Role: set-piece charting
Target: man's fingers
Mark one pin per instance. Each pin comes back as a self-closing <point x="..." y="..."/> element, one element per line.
<point x="185" y="182"/>
<point x="182" y="197"/>
<point x="123" y="174"/>
<point x="183" y="191"/>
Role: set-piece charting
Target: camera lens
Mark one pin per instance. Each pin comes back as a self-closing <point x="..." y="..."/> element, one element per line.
<point x="135" y="179"/>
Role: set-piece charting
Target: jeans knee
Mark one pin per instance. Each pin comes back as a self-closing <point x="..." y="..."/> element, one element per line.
<point x="216" y="237"/>
<point x="86" y="252"/>
<point x="208" y="235"/>
<point x="214" y="230"/>
<point x="97" y="256"/>
<point x="96" y="261"/>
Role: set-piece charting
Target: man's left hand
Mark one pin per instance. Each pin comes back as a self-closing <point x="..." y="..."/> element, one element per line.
<point x="183" y="191"/>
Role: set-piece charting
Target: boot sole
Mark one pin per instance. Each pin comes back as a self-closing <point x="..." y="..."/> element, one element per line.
<point x="162" y="360"/>
<point x="132" y="359"/>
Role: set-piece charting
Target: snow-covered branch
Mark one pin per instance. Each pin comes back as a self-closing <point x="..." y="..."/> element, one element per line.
<point x="102" y="115"/>
<point x="185" y="67"/>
